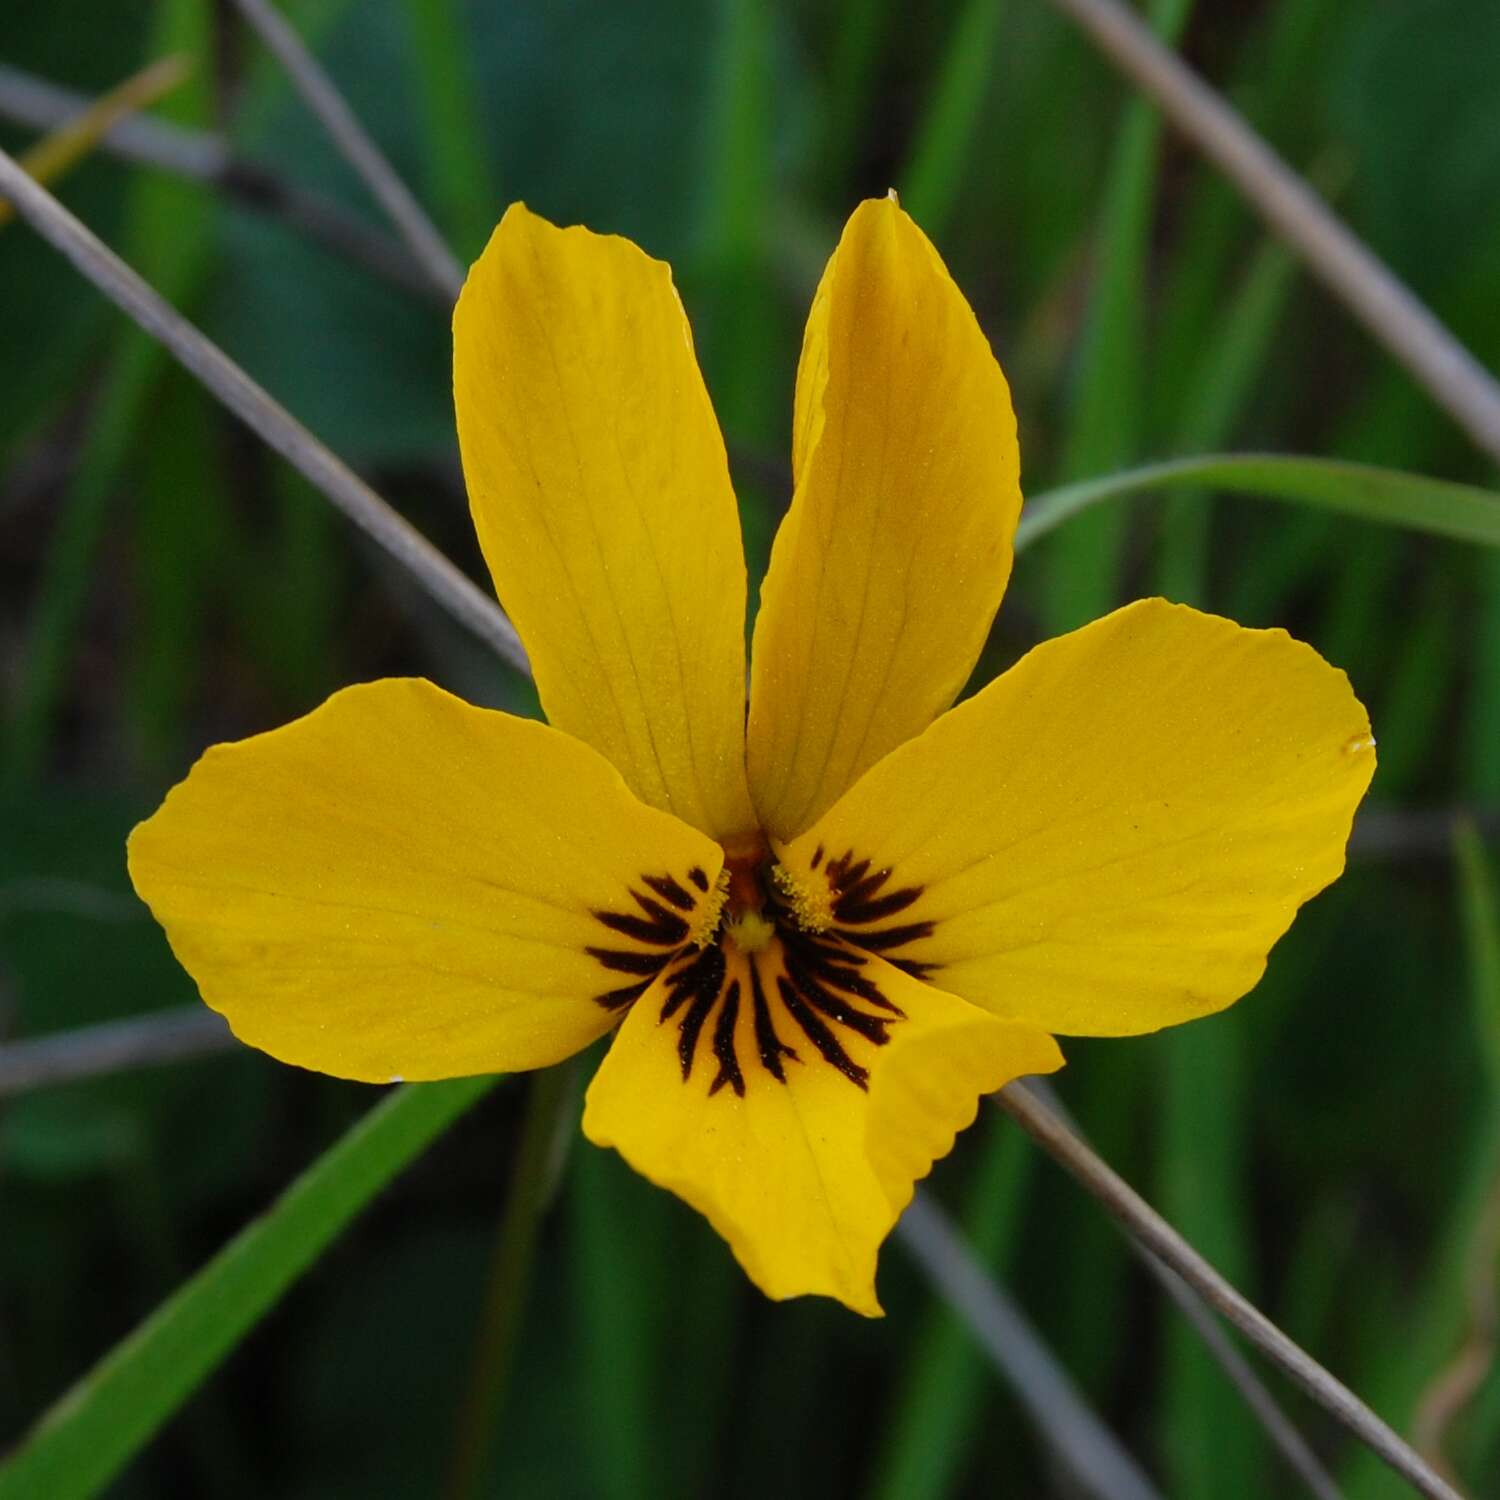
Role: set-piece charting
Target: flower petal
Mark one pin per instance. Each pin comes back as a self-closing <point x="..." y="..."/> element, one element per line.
<point x="889" y="567"/>
<point x="601" y="494"/>
<point x="804" y="1175"/>
<point x="1109" y="838"/>
<point x="400" y="885"/>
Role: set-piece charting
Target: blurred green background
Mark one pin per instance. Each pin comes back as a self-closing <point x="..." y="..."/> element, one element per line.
<point x="1331" y="1142"/>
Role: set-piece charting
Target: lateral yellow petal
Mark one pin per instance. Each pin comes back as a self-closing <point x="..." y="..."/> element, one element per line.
<point x="1109" y="838"/>
<point x="401" y="885"/>
<point x="804" y="1176"/>
<point x="601" y="494"/>
<point x="891" y="563"/>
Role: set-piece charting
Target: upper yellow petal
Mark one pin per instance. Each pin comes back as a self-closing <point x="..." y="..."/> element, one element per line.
<point x="1110" y="837"/>
<point x="601" y="494"/>
<point x="805" y="1173"/>
<point x="891" y="563"/>
<point x="401" y="885"/>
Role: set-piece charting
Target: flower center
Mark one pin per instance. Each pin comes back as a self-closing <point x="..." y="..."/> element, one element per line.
<point x="750" y="931"/>
<point x="761" y="970"/>
<point x="746" y="871"/>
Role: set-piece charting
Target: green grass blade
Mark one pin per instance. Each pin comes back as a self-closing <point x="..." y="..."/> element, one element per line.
<point x="168" y="239"/>
<point x="858" y="37"/>
<point x="463" y="182"/>
<point x="931" y="1426"/>
<point x="181" y="499"/>
<point x="1387" y="497"/>
<point x="738" y="183"/>
<point x="547" y="1132"/>
<point x="933" y="183"/>
<point x="1106" y="424"/>
<point x="1208" y="1437"/>
<point x="298" y="644"/>
<point x="1483" y="769"/>
<point x="1479" y="894"/>
<point x="95" y="1429"/>
<point x="1260" y="595"/>
<point x="1423" y="657"/>
<point x="1212" y="226"/>
<point x="740" y="346"/>
<point x="1441" y="1317"/>
<point x="739" y="167"/>
<point x="1224" y="380"/>
<point x="617" y="1259"/>
<point x="182" y="514"/>
<point x="1081" y="573"/>
<point x="1221" y="387"/>
<point x="56" y="622"/>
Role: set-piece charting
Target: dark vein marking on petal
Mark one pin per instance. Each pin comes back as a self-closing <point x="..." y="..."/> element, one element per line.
<point x="629" y="960"/>
<point x="872" y="1028"/>
<point x="698" y="878"/>
<point x="669" y="890"/>
<point x="692" y="1024"/>
<point x="770" y="1046"/>
<point x="626" y="995"/>
<point x="829" y="1047"/>
<point x="729" y="1062"/>
<point x="668" y="921"/>
<point x="913" y="966"/>
<point x="858" y="913"/>
<point x="659" y="926"/>
<point x="661" y="929"/>
<point x="881" y="938"/>
<point x="701" y="975"/>
<point x="862" y="890"/>
<point x="839" y="967"/>
<point x="842" y="875"/>
<point x="864" y="897"/>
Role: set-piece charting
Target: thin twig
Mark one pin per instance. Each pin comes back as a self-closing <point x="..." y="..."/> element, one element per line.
<point x="1082" y="1444"/>
<point x="1415" y="832"/>
<point x="1147" y="1226"/>
<point x="1287" y="1440"/>
<point x="87" y="1051"/>
<point x="453" y="589"/>
<point x="76" y="138"/>
<point x="39" y="104"/>
<point x="353" y="141"/>
<point x="203" y="157"/>
<point x="1285" y="1437"/>
<point x="323" y="221"/>
<point x="1383" y="303"/>
<point x="76" y="898"/>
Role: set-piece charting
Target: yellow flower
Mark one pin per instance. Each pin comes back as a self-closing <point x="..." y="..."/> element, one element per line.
<point x="820" y="932"/>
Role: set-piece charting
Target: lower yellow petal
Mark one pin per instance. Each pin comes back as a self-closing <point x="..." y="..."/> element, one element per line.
<point x="717" y="1092"/>
<point x="1110" y="837"/>
<point x="402" y="886"/>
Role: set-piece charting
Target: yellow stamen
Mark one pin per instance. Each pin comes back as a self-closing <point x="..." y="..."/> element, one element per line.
<point x="706" y="923"/>
<point x="811" y="900"/>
